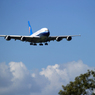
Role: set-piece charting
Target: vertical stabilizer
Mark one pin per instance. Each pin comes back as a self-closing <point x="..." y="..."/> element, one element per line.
<point x="30" y="29"/>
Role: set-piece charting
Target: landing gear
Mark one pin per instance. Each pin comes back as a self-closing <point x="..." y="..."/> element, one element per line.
<point x="33" y="44"/>
<point x="41" y="44"/>
<point x="46" y="43"/>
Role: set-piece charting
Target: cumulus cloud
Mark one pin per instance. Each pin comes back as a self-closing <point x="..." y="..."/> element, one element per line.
<point x="62" y="74"/>
<point x="5" y="75"/>
<point x="16" y="79"/>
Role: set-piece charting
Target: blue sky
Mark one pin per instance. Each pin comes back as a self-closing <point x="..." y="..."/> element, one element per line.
<point x="61" y="17"/>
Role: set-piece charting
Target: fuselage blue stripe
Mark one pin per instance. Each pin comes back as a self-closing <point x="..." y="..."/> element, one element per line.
<point x="44" y="34"/>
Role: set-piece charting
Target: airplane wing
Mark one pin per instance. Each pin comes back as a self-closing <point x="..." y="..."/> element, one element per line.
<point x="37" y="39"/>
<point x="22" y="38"/>
<point x="59" y="38"/>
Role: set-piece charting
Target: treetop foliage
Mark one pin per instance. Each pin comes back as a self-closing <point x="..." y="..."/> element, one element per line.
<point x="82" y="84"/>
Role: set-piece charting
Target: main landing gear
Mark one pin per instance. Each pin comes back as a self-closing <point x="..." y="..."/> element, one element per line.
<point x="42" y="44"/>
<point x="33" y="44"/>
<point x="46" y="43"/>
<point x="39" y="44"/>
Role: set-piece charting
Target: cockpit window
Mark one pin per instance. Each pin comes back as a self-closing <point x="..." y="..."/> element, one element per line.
<point x="46" y="30"/>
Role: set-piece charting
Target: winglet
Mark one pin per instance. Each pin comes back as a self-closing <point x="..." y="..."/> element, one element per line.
<point x="30" y="29"/>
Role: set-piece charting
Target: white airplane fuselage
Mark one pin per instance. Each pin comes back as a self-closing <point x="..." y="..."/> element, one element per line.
<point x="43" y="33"/>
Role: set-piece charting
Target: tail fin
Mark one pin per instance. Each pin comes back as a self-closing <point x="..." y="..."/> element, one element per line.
<point x="30" y="29"/>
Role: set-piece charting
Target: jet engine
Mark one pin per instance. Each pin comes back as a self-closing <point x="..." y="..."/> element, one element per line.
<point x="69" y="38"/>
<point x="8" y="38"/>
<point x="58" y="39"/>
<point x="23" y="39"/>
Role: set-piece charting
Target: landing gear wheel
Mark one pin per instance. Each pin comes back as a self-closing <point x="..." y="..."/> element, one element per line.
<point x="31" y="43"/>
<point x="35" y="44"/>
<point x="46" y="43"/>
<point x="41" y="44"/>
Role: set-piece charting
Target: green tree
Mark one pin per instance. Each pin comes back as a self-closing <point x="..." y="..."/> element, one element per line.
<point x="82" y="84"/>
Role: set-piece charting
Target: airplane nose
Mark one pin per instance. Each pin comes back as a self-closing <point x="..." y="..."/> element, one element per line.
<point x="48" y="33"/>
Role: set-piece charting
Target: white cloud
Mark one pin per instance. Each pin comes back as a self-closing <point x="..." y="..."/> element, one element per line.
<point x="62" y="74"/>
<point x="5" y="75"/>
<point x="20" y="79"/>
<point x="19" y="71"/>
<point x="16" y="79"/>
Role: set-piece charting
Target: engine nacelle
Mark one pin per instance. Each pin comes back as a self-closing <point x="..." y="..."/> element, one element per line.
<point x="69" y="38"/>
<point x="58" y="39"/>
<point x="8" y="38"/>
<point x="23" y="39"/>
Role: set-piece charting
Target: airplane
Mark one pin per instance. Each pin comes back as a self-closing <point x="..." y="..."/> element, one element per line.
<point x="41" y="36"/>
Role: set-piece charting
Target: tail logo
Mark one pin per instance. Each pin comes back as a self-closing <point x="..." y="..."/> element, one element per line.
<point x="29" y="29"/>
